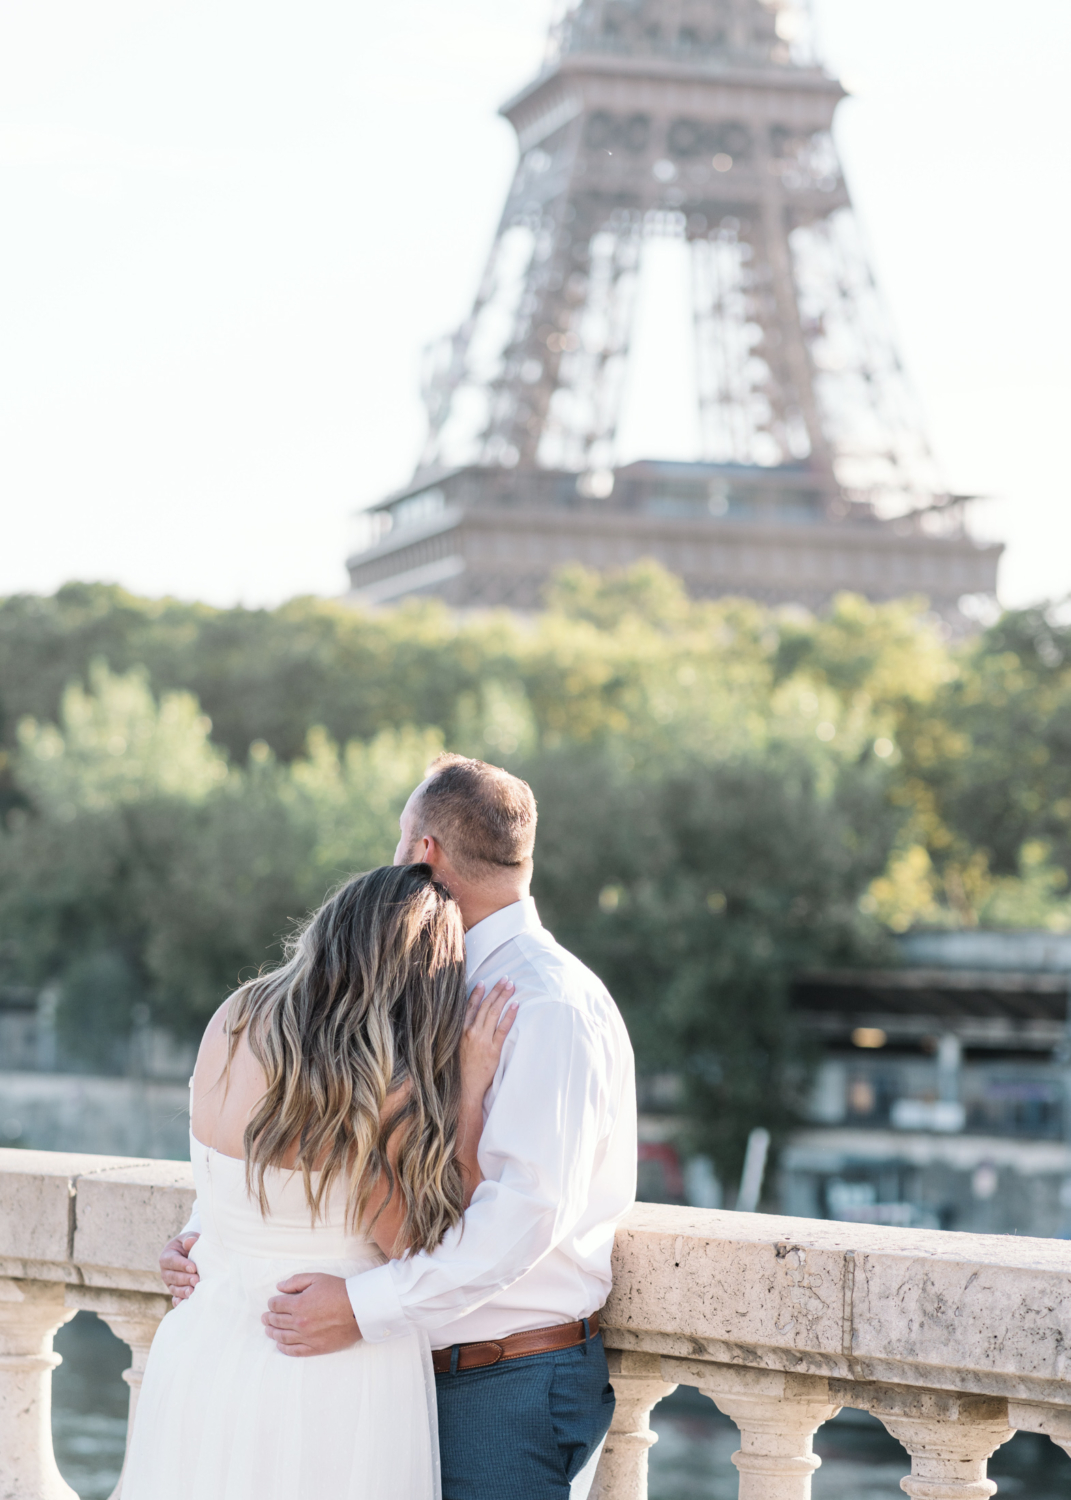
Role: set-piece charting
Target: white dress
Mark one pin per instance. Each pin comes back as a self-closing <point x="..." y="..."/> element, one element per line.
<point x="224" y="1416"/>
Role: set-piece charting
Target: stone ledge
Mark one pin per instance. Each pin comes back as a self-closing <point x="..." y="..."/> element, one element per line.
<point x="89" y="1220"/>
<point x="969" y="1315"/>
<point x="981" y="1314"/>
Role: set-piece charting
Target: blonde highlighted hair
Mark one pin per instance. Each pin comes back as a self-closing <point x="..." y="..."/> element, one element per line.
<point x="369" y="1002"/>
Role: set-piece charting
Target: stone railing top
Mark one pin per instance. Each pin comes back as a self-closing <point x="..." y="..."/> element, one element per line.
<point x="828" y="1234"/>
<point x="91" y="1220"/>
<point x="983" y="1313"/>
<point x="986" y="1314"/>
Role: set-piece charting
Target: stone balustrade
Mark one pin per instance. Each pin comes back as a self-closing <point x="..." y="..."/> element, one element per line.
<point x="954" y="1341"/>
<point x="76" y="1232"/>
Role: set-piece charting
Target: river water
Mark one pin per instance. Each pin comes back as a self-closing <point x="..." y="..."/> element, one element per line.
<point x="690" y="1461"/>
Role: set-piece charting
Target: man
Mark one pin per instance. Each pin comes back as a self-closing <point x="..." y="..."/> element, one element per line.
<point x="509" y="1298"/>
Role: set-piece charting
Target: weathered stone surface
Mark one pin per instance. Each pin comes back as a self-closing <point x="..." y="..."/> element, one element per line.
<point x="744" y="1380"/>
<point x="983" y="1313"/>
<point x="36" y="1200"/>
<point x="107" y="1302"/>
<point x="989" y="1304"/>
<point x="1055" y="1421"/>
<point x="744" y="1279"/>
<point x="949" y="1455"/>
<point x="124" y="1216"/>
<point x="99" y="1220"/>
<point x="30" y="1313"/>
<point x="952" y="1339"/>
<point x="622" y="1471"/>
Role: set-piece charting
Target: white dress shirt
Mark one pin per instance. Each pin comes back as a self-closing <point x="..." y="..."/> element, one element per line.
<point x="558" y="1155"/>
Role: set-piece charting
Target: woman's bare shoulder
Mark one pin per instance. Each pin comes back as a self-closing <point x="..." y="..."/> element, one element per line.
<point x="216" y="1030"/>
<point x="215" y="1042"/>
<point x="226" y="1087"/>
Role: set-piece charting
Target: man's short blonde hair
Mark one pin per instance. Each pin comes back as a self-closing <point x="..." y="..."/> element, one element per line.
<point x="480" y="814"/>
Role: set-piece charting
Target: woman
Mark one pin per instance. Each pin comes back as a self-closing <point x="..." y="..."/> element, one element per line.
<point x="335" y="1113"/>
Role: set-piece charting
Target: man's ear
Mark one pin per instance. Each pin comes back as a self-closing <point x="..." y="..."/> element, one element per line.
<point x="433" y="852"/>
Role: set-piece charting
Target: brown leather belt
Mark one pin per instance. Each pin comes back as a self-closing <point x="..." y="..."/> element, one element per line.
<point x="515" y="1346"/>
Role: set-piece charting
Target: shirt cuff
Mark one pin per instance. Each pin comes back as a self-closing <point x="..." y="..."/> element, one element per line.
<point x="376" y="1306"/>
<point x="193" y="1225"/>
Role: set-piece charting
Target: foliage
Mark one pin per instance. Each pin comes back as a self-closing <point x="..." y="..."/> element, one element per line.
<point x="727" y="793"/>
<point x="147" y="859"/>
<point x="698" y="895"/>
<point x="115" y="746"/>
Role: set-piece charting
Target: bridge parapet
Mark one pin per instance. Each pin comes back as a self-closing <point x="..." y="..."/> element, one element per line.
<point x="954" y="1341"/>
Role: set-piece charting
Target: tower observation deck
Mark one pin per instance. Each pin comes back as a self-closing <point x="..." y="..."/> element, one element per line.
<point x="707" y="121"/>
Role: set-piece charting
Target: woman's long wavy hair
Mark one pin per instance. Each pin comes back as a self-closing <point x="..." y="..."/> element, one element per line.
<point x="370" y="999"/>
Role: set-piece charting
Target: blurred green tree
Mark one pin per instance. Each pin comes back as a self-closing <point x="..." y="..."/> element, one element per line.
<point x="727" y="793"/>
<point x="143" y="857"/>
<point x="698" y="895"/>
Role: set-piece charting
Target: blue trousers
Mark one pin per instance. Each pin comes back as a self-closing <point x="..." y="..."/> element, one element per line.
<point x="523" y="1429"/>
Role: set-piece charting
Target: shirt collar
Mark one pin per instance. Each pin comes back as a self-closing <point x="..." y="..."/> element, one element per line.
<point x="508" y="922"/>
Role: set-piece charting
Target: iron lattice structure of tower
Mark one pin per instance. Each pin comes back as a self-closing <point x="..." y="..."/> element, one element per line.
<point x="706" y="121"/>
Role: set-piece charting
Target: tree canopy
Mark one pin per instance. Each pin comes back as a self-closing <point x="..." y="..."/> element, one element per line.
<point x="728" y="795"/>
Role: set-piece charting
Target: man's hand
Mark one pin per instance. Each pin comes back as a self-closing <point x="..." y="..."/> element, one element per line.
<point x="179" y="1273"/>
<point x="313" y="1316"/>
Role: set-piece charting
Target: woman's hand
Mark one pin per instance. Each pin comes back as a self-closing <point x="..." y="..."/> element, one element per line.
<point x="487" y="1025"/>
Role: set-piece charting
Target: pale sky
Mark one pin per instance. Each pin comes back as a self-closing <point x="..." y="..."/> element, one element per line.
<point x="229" y="228"/>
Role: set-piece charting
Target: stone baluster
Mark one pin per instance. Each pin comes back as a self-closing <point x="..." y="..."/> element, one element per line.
<point x="30" y="1314"/>
<point x="638" y="1387"/>
<point x="950" y="1439"/>
<point x="778" y="1416"/>
<point x="133" y="1317"/>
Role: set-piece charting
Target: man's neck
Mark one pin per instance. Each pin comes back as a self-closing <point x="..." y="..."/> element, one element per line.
<point x="477" y="905"/>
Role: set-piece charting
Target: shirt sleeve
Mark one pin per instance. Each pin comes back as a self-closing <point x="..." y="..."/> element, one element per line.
<point x="193" y="1223"/>
<point x="537" y="1154"/>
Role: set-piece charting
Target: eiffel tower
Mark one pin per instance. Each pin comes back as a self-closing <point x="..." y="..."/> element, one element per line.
<point x="707" y="121"/>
